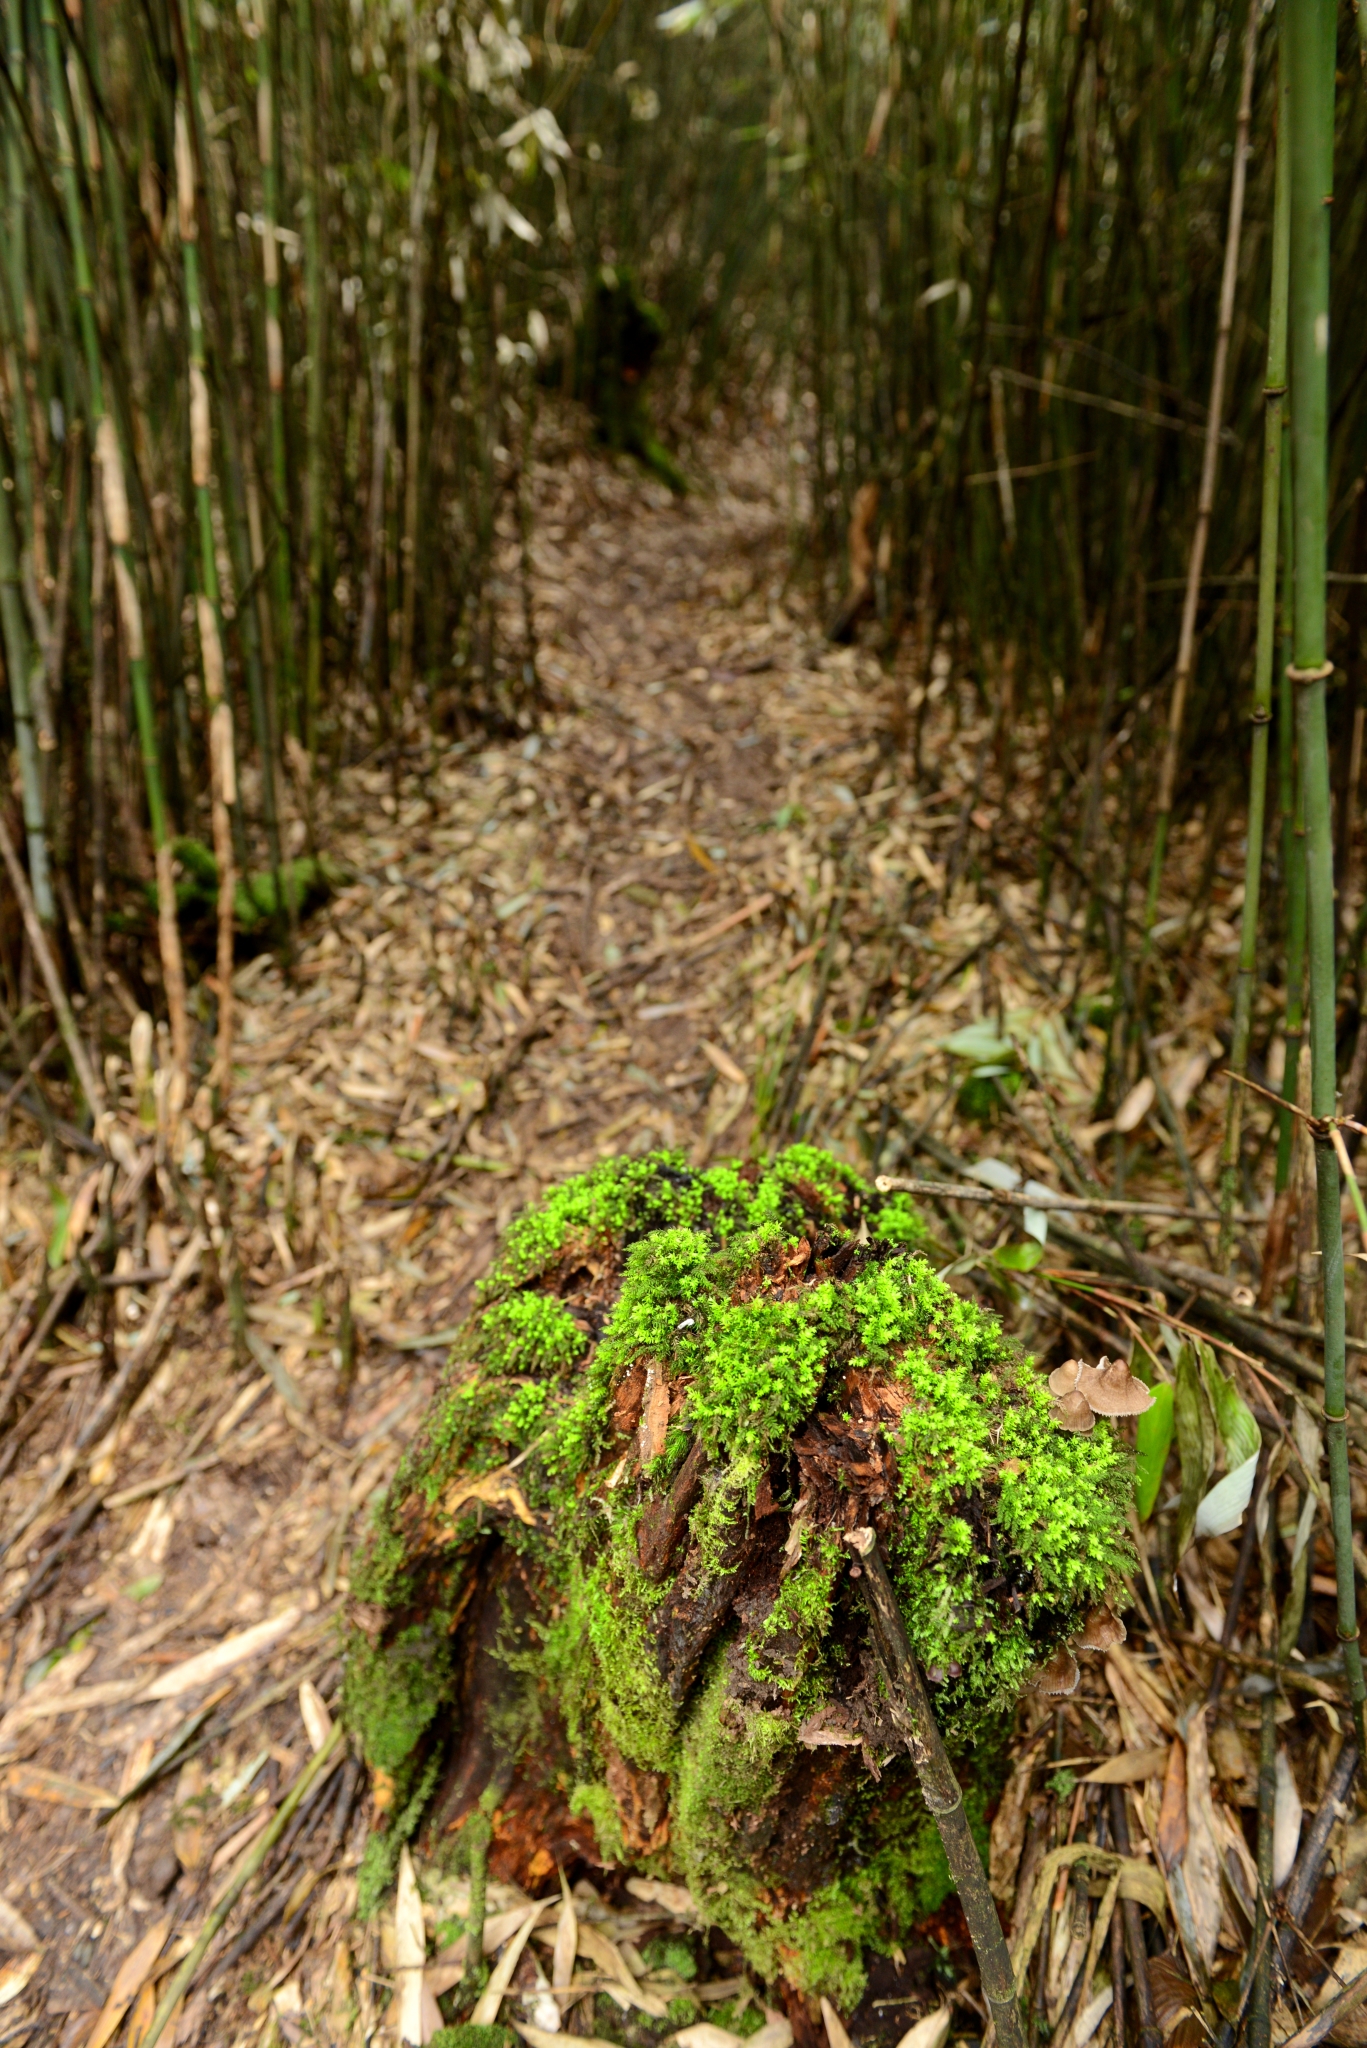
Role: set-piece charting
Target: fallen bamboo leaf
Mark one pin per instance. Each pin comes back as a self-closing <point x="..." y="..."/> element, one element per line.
<point x="706" y="2034"/>
<point x="566" y="1941"/>
<point x="491" y="1998"/>
<point x="225" y="1656"/>
<point x="1138" y="1881"/>
<point x="316" y="1718"/>
<point x="1090" y="2018"/>
<point x="717" y="1056"/>
<point x="1201" y="1863"/>
<point x="931" y="2031"/>
<point x="410" y="1945"/>
<point x="142" y="2015"/>
<point x="1286" y="1822"/>
<point x="31" y="1781"/>
<point x="1131" y="1767"/>
<point x="132" y="1973"/>
<point x="15" y="1931"/>
<point x="1171" y="1842"/>
<point x="538" y="2037"/>
<point x="236" y="1843"/>
<point x="187" y="1815"/>
<point x="497" y="1928"/>
<point x="1136" y="1106"/>
<point x="775" y="2033"/>
<point x="836" y="2035"/>
<point x="1008" y="1829"/>
<point x="14" y="1977"/>
<point x="675" y="1898"/>
<point x="596" y="1945"/>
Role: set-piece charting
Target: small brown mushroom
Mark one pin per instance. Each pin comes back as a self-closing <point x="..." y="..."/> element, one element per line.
<point x="1059" y="1676"/>
<point x="1073" y="1412"/>
<point x="1102" y="1630"/>
<point x="1112" y="1389"/>
<point x="1063" y="1379"/>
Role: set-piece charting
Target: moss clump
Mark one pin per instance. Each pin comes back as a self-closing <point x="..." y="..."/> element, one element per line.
<point x="466" y="2036"/>
<point x="706" y="1380"/>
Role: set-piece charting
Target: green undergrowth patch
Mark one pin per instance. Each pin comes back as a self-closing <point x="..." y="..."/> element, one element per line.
<point x="734" y="1332"/>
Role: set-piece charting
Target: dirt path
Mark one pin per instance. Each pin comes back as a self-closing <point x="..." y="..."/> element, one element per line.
<point x="609" y="936"/>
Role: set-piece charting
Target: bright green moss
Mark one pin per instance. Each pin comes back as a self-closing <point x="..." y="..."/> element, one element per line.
<point x="530" y="1333"/>
<point x="777" y="1308"/>
<point x="391" y="1697"/>
<point x="523" y="1413"/>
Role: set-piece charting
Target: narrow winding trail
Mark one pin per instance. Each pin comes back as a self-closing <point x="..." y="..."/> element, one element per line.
<point x="700" y="907"/>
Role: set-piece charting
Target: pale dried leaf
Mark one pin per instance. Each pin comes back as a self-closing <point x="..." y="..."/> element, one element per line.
<point x="1201" y="1864"/>
<point x="132" y="1973"/>
<point x="14" y="1976"/>
<point x="931" y="2031"/>
<point x="1136" y="1106"/>
<point x="836" y="2035"/>
<point x="317" y="1720"/>
<point x="410" y="1952"/>
<point x="1286" y="1822"/>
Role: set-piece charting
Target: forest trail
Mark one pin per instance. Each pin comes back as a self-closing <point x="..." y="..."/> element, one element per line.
<point x="701" y="898"/>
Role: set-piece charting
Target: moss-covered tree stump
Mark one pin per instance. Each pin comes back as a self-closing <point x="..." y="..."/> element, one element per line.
<point x="608" y="1592"/>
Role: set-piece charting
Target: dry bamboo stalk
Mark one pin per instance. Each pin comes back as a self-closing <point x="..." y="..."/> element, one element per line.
<point x="222" y="771"/>
<point x="1186" y="645"/>
<point x="52" y="980"/>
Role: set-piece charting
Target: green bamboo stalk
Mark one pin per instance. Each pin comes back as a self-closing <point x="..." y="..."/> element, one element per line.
<point x="222" y="771"/>
<point x="1310" y="51"/>
<point x="1260" y="712"/>
<point x="412" y="453"/>
<point x="265" y="18"/>
<point x="114" y="204"/>
<point x="1292" y="800"/>
<point x="16" y="268"/>
<point x="317" y="342"/>
<point x="110" y="456"/>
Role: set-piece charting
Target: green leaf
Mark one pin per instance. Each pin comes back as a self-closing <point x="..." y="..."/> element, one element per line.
<point x="1239" y="1433"/>
<point x="1018" y="1258"/>
<point x="1153" y="1441"/>
<point x="56" y="1244"/>
<point x="980" y="1041"/>
<point x="1195" y="1442"/>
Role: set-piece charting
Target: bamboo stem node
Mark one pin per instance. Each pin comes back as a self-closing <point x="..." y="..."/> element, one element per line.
<point x="1310" y="675"/>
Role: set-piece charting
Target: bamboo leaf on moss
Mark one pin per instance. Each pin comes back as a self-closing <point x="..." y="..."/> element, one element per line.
<point x="1195" y="1442"/>
<point x="1153" y="1441"/>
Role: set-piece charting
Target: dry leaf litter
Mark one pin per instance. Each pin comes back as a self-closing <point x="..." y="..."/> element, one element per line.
<point x="700" y="906"/>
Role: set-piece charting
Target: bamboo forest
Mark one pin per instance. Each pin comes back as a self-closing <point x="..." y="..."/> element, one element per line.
<point x="683" y="1023"/>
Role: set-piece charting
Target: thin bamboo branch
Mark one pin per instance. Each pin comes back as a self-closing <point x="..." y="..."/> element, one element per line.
<point x="1260" y="712"/>
<point x="1186" y="645"/>
<point x="1079" y="1205"/>
<point x="19" y="666"/>
<point x="250" y="1862"/>
<point x="222" y="771"/>
<point x="265" y="17"/>
<point x="52" y="980"/>
<point x="940" y="1788"/>
<point x="317" y="341"/>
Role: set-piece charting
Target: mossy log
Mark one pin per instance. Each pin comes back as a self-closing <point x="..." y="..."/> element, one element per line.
<point x="609" y="1594"/>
